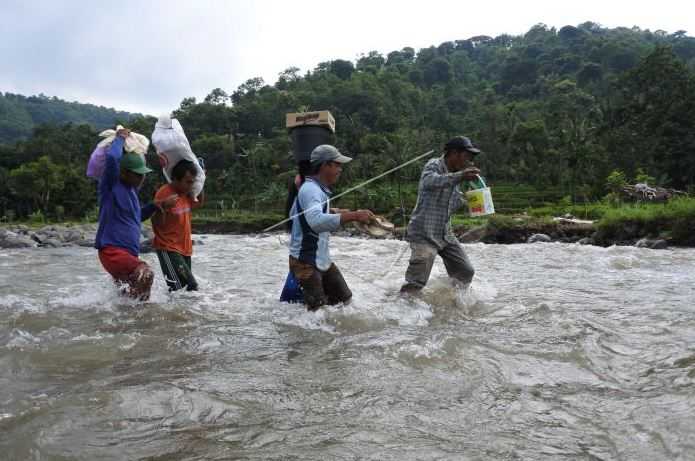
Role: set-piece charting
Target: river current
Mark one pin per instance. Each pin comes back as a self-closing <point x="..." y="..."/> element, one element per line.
<point x="556" y="351"/>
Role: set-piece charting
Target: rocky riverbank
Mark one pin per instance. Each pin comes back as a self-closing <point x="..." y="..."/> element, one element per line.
<point x="59" y="235"/>
<point x="505" y="230"/>
<point x="509" y="230"/>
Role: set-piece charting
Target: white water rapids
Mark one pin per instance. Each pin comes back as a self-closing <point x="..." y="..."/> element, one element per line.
<point x="557" y="352"/>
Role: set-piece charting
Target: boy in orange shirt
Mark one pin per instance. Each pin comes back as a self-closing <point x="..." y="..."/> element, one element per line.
<point x="172" y="228"/>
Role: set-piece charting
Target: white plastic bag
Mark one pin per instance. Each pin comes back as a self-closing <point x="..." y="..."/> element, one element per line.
<point x="134" y="142"/>
<point x="172" y="146"/>
<point x="169" y="137"/>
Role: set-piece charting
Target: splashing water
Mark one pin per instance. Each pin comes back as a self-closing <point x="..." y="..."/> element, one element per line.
<point x="554" y="351"/>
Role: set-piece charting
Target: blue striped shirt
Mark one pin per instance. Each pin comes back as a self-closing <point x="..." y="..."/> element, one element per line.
<point x="312" y="227"/>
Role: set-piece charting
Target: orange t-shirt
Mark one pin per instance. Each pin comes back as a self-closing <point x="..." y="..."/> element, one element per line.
<point x="172" y="229"/>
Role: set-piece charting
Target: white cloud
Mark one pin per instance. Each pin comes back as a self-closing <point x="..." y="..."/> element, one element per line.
<point x="148" y="56"/>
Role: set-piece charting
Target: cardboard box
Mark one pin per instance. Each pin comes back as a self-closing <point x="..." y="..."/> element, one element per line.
<point x="317" y="118"/>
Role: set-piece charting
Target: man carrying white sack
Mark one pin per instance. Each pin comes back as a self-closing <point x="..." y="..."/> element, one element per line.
<point x="429" y="231"/>
<point x="120" y="215"/>
<point x="172" y="228"/>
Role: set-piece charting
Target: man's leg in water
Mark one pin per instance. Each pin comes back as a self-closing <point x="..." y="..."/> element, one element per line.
<point x="419" y="268"/>
<point x="335" y="287"/>
<point x="140" y="282"/>
<point x="129" y="269"/>
<point x="311" y="281"/>
<point x="457" y="264"/>
<point x="177" y="270"/>
<point x="192" y="282"/>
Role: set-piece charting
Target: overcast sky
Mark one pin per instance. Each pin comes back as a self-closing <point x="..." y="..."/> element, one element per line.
<point x="147" y="55"/>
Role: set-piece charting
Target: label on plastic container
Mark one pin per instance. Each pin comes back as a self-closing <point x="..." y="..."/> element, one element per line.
<point x="480" y="202"/>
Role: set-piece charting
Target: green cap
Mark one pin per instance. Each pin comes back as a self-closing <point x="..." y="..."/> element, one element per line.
<point x="134" y="163"/>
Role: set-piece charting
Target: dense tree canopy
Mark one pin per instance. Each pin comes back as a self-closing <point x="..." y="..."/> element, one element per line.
<point x="551" y="108"/>
<point x="20" y="114"/>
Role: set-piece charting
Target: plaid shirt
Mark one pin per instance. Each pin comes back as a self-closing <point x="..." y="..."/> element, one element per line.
<point x="439" y="196"/>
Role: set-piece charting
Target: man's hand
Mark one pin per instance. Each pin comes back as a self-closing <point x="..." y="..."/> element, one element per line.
<point x="200" y="200"/>
<point x="123" y="133"/>
<point x="470" y="174"/>
<point x="167" y="202"/>
<point x="364" y="216"/>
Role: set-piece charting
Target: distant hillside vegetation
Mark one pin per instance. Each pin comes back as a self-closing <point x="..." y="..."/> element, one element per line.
<point x="561" y="114"/>
<point x="20" y="114"/>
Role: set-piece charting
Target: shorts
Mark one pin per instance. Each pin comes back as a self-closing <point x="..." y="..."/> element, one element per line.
<point x="119" y="262"/>
<point x="320" y="287"/>
<point x="128" y="269"/>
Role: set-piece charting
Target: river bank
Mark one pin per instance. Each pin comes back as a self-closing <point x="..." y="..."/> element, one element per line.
<point x="59" y="235"/>
<point x="500" y="229"/>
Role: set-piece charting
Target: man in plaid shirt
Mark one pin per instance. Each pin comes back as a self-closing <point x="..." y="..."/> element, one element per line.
<point x="439" y="196"/>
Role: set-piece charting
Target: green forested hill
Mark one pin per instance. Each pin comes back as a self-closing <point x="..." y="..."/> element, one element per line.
<point x="20" y="114"/>
<point x="555" y="110"/>
<point x="550" y="108"/>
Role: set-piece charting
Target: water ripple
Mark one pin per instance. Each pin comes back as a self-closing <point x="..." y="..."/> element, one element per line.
<point x="555" y="351"/>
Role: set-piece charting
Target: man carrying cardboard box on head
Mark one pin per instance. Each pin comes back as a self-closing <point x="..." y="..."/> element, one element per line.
<point x="312" y="222"/>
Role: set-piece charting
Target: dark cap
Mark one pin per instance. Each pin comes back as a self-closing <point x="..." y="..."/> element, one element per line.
<point x="461" y="143"/>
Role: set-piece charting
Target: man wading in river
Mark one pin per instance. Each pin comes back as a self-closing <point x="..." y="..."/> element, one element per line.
<point x="172" y="228"/>
<point x="429" y="231"/>
<point x="312" y="223"/>
<point x="120" y="215"/>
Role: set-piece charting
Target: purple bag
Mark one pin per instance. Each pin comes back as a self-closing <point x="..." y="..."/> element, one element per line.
<point x="96" y="164"/>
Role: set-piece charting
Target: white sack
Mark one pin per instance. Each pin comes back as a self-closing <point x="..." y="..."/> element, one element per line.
<point x="134" y="142"/>
<point x="172" y="146"/>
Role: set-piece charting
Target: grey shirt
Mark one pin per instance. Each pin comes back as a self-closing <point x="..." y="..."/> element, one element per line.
<point x="439" y="196"/>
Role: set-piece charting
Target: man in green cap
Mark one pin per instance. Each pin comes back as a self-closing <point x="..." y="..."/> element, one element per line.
<point x="120" y="215"/>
